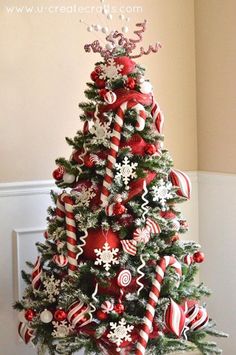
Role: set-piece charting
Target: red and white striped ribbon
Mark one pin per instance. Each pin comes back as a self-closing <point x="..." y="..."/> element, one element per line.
<point x="64" y="210"/>
<point x="157" y="117"/>
<point x="153" y="299"/>
<point x="129" y="246"/>
<point x="115" y="142"/>
<point x="26" y="333"/>
<point x="36" y="274"/>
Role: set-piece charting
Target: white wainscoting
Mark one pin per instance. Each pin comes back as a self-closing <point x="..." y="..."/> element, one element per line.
<point x="23" y="209"/>
<point x="217" y="234"/>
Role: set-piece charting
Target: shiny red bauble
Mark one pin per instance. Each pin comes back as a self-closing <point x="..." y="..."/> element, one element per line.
<point x="60" y="315"/>
<point x="96" y="239"/>
<point x="94" y="75"/>
<point x="30" y="314"/>
<point x="101" y="315"/>
<point x="118" y="209"/>
<point x="119" y="308"/>
<point x="198" y="257"/>
<point x="136" y="143"/>
<point x="58" y="173"/>
<point x="100" y="83"/>
<point x="126" y="220"/>
<point x="130" y="83"/>
<point x="150" y="149"/>
<point x="45" y="234"/>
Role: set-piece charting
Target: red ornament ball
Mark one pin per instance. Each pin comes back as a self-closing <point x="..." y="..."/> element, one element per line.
<point x="119" y="308"/>
<point x="30" y="314"/>
<point x="94" y="75"/>
<point x="128" y="64"/>
<point x="100" y="83"/>
<point x="175" y="238"/>
<point x="130" y="83"/>
<point x="88" y="161"/>
<point x="150" y="149"/>
<point x="118" y="209"/>
<point x="101" y="315"/>
<point x="98" y="70"/>
<point x="126" y="220"/>
<point x="58" y="173"/>
<point x="198" y="257"/>
<point x="102" y="92"/>
<point x="96" y="239"/>
<point x="46" y="234"/>
<point x="60" y="315"/>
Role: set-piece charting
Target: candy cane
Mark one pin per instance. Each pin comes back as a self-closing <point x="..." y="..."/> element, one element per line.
<point x="71" y="240"/>
<point x="153" y="299"/>
<point x="36" y="274"/>
<point x="182" y="181"/>
<point x="115" y="142"/>
<point x="64" y="210"/>
<point x="157" y="116"/>
<point x="27" y="334"/>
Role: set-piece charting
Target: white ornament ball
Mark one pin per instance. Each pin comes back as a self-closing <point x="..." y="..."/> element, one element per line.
<point x="110" y="97"/>
<point x="146" y="87"/>
<point x="21" y="316"/>
<point x="109" y="46"/>
<point x="68" y="178"/>
<point x="109" y="16"/>
<point x="105" y="30"/>
<point x="175" y="224"/>
<point x="90" y="28"/>
<point x="46" y="316"/>
<point x="125" y="29"/>
<point x="140" y="79"/>
<point x="97" y="27"/>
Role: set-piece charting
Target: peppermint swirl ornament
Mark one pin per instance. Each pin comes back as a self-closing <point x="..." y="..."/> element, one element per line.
<point x="124" y="278"/>
<point x="110" y="97"/>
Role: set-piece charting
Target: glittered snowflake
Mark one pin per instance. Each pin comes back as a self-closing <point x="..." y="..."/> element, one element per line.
<point x="106" y="256"/>
<point x="84" y="196"/>
<point x="111" y="70"/>
<point x="61" y="329"/>
<point x="162" y="192"/>
<point x="101" y="132"/>
<point x="120" y="332"/>
<point x="51" y="287"/>
<point x="126" y="170"/>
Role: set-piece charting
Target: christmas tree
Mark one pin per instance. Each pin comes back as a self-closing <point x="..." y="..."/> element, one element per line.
<point x="114" y="276"/>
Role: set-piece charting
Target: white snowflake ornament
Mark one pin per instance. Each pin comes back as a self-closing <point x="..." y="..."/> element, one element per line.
<point x="101" y="132"/>
<point x="51" y="287"/>
<point x="61" y="329"/>
<point x="126" y="171"/>
<point x="106" y="256"/>
<point x="84" y="196"/>
<point x="120" y="332"/>
<point x="162" y="192"/>
<point x="111" y="70"/>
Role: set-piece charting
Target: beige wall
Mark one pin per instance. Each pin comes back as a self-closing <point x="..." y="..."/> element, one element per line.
<point x="43" y="70"/>
<point x="216" y="84"/>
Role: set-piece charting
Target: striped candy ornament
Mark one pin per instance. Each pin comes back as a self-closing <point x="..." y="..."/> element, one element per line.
<point x="64" y="211"/>
<point x="60" y="260"/>
<point x="71" y="240"/>
<point x="27" y="334"/>
<point x="196" y="317"/>
<point x="175" y="318"/>
<point x="124" y="278"/>
<point x="153" y="299"/>
<point x="182" y="181"/>
<point x="129" y="246"/>
<point x="36" y="274"/>
<point x="158" y="117"/>
<point x="79" y="314"/>
<point x="143" y="234"/>
<point x="115" y="142"/>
